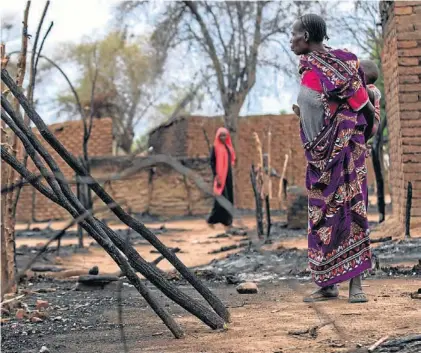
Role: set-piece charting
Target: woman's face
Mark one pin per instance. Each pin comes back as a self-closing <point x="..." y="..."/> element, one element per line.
<point x="299" y="39"/>
<point x="222" y="137"/>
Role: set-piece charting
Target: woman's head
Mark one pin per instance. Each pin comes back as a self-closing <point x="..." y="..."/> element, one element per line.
<point x="307" y="32"/>
<point x="222" y="134"/>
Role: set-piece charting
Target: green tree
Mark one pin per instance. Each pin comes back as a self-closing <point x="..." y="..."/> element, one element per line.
<point x="124" y="73"/>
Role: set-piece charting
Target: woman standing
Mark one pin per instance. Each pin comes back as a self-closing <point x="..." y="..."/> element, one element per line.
<point x="221" y="159"/>
<point x="334" y="108"/>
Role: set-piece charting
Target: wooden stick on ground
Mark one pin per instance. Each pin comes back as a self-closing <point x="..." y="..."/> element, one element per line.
<point x="378" y="343"/>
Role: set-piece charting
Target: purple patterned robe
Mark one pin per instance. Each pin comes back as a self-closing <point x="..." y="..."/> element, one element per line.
<point x="338" y="233"/>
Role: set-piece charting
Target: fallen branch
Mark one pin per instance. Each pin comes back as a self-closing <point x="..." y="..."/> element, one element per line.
<point x="312" y="331"/>
<point x="160" y="258"/>
<point x="378" y="343"/>
<point x="321" y="313"/>
<point x="11" y="300"/>
<point x="228" y="248"/>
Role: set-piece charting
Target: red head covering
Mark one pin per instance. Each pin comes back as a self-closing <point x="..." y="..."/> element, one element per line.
<point x="221" y="156"/>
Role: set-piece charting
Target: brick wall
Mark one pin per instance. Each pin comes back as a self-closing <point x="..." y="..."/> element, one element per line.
<point x="401" y="60"/>
<point x="158" y="191"/>
<point x="285" y="140"/>
<point x="34" y="206"/>
<point x="170" y="138"/>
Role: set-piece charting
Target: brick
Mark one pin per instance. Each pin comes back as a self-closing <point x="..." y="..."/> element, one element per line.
<point x="411" y="106"/>
<point x="410" y="123"/>
<point x="410" y="52"/>
<point x="411" y="149"/>
<point x="408" y="61"/>
<point x="406" y="3"/>
<point x="405" y="27"/>
<point x="409" y="79"/>
<point x="410" y="115"/>
<point x="406" y="44"/>
<point x="408" y="98"/>
<point x="411" y="141"/>
<point x="410" y="36"/>
<point x="417" y="9"/>
<point x="414" y="158"/>
<point x="411" y="132"/>
<point x="407" y="10"/>
<point x="416" y="70"/>
<point x="409" y="87"/>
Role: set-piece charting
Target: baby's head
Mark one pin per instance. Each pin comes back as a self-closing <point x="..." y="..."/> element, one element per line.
<point x="371" y="71"/>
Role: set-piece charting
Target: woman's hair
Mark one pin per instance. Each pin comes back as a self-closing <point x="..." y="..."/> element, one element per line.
<point x="315" y="25"/>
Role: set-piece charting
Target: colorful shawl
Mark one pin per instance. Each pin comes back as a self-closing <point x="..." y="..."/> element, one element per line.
<point x="338" y="242"/>
<point x="221" y="156"/>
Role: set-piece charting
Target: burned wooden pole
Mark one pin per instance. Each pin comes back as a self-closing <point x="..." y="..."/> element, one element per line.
<point x="376" y="150"/>
<point x="133" y="223"/>
<point x="58" y="197"/>
<point x="79" y="228"/>
<point x="268" y="218"/>
<point x="408" y="211"/>
<point x="68" y="200"/>
<point x="258" y="200"/>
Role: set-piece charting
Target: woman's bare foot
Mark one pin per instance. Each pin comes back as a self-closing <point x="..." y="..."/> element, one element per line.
<point x="322" y="294"/>
<point x="356" y="293"/>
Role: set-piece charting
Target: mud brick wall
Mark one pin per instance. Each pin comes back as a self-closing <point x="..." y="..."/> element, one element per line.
<point x="157" y="191"/>
<point x="170" y="138"/>
<point x="285" y="140"/>
<point x="401" y="60"/>
<point x="33" y="206"/>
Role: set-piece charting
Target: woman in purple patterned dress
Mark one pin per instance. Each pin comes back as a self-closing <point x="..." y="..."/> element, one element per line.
<point x="334" y="108"/>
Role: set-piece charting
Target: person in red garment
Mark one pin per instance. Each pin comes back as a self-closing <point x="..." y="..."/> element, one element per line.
<point x="222" y="158"/>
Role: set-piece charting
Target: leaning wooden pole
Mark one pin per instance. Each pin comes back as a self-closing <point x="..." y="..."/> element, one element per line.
<point x="68" y="199"/>
<point x="102" y="239"/>
<point x="133" y="223"/>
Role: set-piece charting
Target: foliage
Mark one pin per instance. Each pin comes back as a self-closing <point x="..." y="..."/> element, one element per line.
<point x="125" y="74"/>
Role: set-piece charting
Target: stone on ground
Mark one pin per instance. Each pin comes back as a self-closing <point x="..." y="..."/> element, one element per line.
<point x="41" y="304"/>
<point x="247" y="288"/>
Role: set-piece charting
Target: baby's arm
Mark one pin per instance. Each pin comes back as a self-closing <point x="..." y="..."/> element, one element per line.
<point x="296" y="109"/>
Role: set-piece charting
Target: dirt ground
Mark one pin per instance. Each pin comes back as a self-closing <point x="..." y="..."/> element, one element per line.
<point x="260" y="322"/>
<point x="193" y="237"/>
<point x="88" y="321"/>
